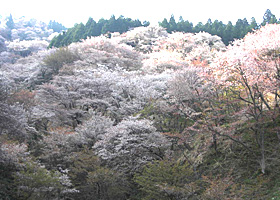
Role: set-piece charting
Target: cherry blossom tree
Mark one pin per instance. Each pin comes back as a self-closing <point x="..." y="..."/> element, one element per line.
<point x="179" y="50"/>
<point x="26" y="47"/>
<point x="143" y="38"/>
<point x="131" y="144"/>
<point x="116" y="94"/>
<point x="25" y="72"/>
<point x="94" y="128"/>
<point x="30" y="29"/>
<point x="13" y="117"/>
<point x="109" y="52"/>
<point x="2" y="43"/>
<point x="249" y="72"/>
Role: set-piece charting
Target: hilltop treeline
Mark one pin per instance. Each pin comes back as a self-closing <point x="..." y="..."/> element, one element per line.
<point x="143" y="115"/>
<point x="93" y="28"/>
<point x="228" y="32"/>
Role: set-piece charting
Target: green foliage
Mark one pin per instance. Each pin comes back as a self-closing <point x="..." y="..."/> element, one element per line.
<point x="167" y="180"/>
<point x="75" y="34"/>
<point x="7" y="188"/>
<point x="269" y="18"/>
<point x="36" y="182"/>
<point x="60" y="57"/>
<point x="91" y="28"/>
<point x="165" y="121"/>
<point x="228" y="32"/>
<point x="95" y="181"/>
<point x="108" y="185"/>
<point x="54" y="62"/>
<point x="57" y="27"/>
<point x="216" y="152"/>
<point x="81" y="31"/>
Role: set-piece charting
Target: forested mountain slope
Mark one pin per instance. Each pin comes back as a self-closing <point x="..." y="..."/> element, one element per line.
<point x="228" y="32"/>
<point x="145" y="114"/>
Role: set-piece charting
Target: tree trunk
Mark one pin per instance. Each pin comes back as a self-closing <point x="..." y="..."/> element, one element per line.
<point x="262" y="161"/>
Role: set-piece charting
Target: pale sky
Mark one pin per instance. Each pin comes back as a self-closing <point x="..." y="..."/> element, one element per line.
<point x="75" y="11"/>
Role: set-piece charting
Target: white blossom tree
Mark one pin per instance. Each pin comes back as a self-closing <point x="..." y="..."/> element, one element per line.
<point x="131" y="144"/>
<point x="144" y="38"/>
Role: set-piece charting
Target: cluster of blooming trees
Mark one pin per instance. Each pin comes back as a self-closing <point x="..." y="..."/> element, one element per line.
<point x="140" y="115"/>
<point x="249" y="70"/>
<point x="20" y="37"/>
<point x="24" y="29"/>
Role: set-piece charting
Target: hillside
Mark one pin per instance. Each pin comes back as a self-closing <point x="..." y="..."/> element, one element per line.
<point x="228" y="32"/>
<point x="145" y="114"/>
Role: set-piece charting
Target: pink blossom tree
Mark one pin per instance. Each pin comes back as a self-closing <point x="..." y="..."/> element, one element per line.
<point x="248" y="72"/>
<point x="180" y="50"/>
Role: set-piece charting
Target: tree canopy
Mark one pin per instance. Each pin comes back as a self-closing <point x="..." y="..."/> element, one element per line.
<point x="93" y="28"/>
<point x="142" y="115"/>
<point x="228" y="32"/>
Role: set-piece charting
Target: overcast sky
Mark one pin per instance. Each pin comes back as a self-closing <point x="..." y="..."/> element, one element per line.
<point x="75" y="11"/>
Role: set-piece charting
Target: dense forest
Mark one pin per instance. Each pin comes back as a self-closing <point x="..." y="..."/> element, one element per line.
<point x="93" y="28"/>
<point x="228" y="32"/>
<point x="151" y="113"/>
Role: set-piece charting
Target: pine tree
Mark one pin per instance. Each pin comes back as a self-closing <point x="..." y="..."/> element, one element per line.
<point x="253" y="25"/>
<point x="57" y="27"/>
<point x="228" y="33"/>
<point x="184" y="26"/>
<point x="10" y="22"/>
<point x="172" y="24"/>
<point x="165" y="24"/>
<point x="268" y="18"/>
<point x="91" y="28"/>
<point x="79" y="32"/>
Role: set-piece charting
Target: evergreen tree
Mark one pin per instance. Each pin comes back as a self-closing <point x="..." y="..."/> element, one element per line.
<point x="172" y="24"/>
<point x="228" y="33"/>
<point x="10" y="22"/>
<point x="146" y="23"/>
<point x="241" y="28"/>
<point x="184" y="26"/>
<point x="217" y="28"/>
<point x="165" y="24"/>
<point x="101" y="22"/>
<point x="103" y="26"/>
<point x="57" y="27"/>
<point x="91" y="28"/>
<point x="208" y="26"/>
<point x="253" y="25"/>
<point x="79" y="32"/>
<point x="268" y="18"/>
<point x="110" y="26"/>
<point x="199" y="27"/>
<point x="180" y="25"/>
<point x="122" y="24"/>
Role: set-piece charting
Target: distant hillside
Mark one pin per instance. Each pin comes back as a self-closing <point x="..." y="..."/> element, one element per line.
<point x="228" y="32"/>
<point x="93" y="28"/>
<point x="19" y="37"/>
<point x="142" y="115"/>
<point x="27" y="29"/>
